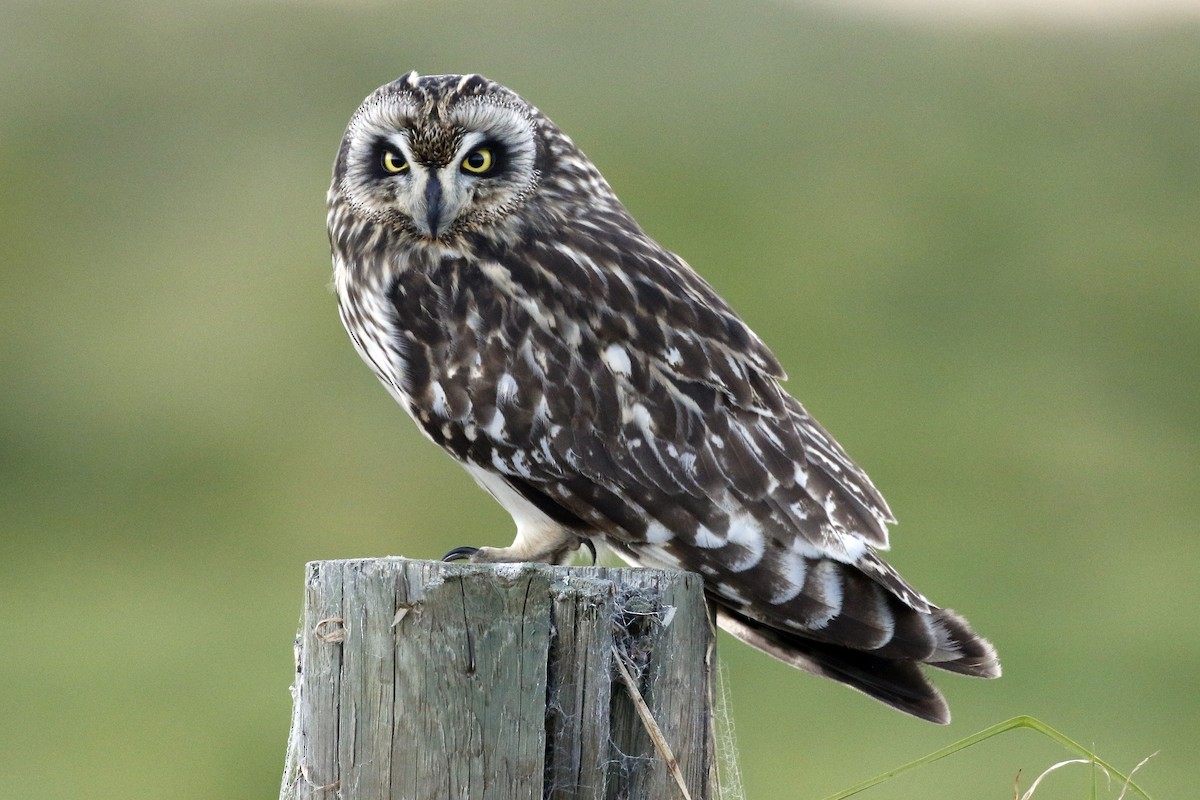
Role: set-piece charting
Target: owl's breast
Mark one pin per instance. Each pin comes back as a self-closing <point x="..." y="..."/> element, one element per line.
<point x="368" y="317"/>
<point x="474" y="371"/>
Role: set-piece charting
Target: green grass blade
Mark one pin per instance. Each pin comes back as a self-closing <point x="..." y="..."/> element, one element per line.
<point x="1023" y="721"/>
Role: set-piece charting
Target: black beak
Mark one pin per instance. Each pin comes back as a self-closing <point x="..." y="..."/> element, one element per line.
<point x="433" y="205"/>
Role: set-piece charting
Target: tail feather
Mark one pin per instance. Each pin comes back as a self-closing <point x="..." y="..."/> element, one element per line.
<point x="868" y="637"/>
<point x="859" y="623"/>
<point x="899" y="684"/>
<point x="974" y="655"/>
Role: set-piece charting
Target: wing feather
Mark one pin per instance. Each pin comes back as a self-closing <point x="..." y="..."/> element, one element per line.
<point x="619" y="394"/>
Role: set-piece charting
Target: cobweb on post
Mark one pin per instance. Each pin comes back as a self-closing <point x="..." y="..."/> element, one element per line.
<point x="729" y="773"/>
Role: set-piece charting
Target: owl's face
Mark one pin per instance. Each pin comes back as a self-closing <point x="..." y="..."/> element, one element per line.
<point x="437" y="156"/>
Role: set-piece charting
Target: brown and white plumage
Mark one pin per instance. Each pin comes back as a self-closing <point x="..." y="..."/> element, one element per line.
<point x="601" y="390"/>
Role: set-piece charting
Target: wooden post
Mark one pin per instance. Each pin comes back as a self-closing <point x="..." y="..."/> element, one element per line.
<point x="420" y="680"/>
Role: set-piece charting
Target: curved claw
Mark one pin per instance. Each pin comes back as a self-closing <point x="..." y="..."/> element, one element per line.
<point x="591" y="548"/>
<point x="460" y="553"/>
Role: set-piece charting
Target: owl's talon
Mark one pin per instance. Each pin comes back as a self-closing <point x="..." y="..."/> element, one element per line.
<point x="463" y="553"/>
<point x="586" y="542"/>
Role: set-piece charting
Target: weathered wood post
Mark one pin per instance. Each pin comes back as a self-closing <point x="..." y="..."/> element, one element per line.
<point x="419" y="680"/>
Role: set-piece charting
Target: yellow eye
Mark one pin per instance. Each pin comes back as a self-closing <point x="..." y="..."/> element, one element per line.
<point x="394" y="162"/>
<point x="479" y="161"/>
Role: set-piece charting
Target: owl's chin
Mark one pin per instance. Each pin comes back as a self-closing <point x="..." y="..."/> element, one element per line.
<point x="416" y="236"/>
<point x="448" y="245"/>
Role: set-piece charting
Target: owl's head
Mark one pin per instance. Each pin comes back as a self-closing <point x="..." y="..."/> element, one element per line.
<point x="435" y="156"/>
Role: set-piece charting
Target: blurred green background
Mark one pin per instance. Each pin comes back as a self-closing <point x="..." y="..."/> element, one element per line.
<point x="974" y="248"/>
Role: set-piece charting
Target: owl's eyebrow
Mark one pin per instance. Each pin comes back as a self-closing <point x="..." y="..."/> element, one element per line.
<point x="435" y="147"/>
<point x="383" y="142"/>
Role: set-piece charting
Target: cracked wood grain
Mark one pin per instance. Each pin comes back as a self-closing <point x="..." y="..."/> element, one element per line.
<point x="425" y="680"/>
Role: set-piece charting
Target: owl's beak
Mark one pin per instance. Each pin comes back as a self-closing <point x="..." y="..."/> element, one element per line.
<point x="433" y="207"/>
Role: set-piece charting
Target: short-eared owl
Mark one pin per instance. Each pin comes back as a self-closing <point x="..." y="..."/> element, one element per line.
<point x="601" y="390"/>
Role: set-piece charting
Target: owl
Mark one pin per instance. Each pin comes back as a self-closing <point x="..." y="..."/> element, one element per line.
<point x="604" y="393"/>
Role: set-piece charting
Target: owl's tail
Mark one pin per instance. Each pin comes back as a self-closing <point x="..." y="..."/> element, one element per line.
<point x="889" y="672"/>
